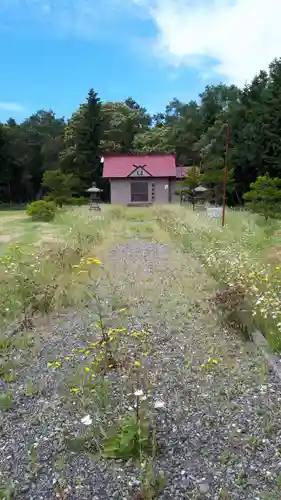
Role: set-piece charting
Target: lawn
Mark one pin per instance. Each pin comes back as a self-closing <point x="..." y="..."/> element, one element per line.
<point x="123" y="382"/>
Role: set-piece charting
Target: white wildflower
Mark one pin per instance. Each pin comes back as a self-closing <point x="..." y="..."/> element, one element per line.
<point x="138" y="393"/>
<point x="86" y="420"/>
<point x="159" y="404"/>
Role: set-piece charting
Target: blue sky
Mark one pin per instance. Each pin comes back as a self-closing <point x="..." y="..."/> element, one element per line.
<point x="53" y="51"/>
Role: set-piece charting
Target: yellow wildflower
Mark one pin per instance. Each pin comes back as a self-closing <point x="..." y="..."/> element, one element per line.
<point x="74" y="389"/>
<point x="87" y="369"/>
<point x="93" y="261"/>
<point x="137" y="363"/>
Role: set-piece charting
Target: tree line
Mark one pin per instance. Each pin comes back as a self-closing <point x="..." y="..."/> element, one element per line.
<point x="194" y="131"/>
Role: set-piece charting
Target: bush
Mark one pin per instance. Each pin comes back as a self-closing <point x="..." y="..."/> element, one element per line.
<point x="41" y="210"/>
<point x="78" y="200"/>
<point x="264" y="198"/>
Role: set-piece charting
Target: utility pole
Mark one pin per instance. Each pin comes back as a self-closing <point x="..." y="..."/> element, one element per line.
<point x="225" y="174"/>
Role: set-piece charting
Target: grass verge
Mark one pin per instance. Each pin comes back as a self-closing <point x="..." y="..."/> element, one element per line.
<point x="36" y="272"/>
<point x="236" y="256"/>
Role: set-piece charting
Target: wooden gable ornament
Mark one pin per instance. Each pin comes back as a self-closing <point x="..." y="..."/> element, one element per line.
<point x="139" y="171"/>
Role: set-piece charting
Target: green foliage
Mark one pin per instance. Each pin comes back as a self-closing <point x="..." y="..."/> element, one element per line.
<point x="78" y="200"/>
<point x="190" y="181"/>
<point x="60" y="185"/>
<point x="152" y="482"/>
<point x="213" y="178"/>
<point x="41" y="210"/>
<point x="82" y="141"/>
<point x="6" y="401"/>
<point x="194" y="131"/>
<point x="264" y="197"/>
<point x="128" y="439"/>
<point x="8" y="491"/>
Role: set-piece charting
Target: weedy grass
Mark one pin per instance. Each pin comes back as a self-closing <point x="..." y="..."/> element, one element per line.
<point x="106" y="375"/>
<point x="7" y="492"/>
<point x="6" y="401"/>
<point x="40" y="277"/>
<point x="236" y="256"/>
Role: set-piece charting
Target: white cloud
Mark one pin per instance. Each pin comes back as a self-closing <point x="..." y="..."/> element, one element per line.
<point x="12" y="106"/>
<point x="242" y="36"/>
<point x="84" y="19"/>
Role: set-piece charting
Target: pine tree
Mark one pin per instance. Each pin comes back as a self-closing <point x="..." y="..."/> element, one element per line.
<point x="88" y="133"/>
<point x="272" y="122"/>
<point x="191" y="181"/>
<point x="213" y="178"/>
<point x="264" y="197"/>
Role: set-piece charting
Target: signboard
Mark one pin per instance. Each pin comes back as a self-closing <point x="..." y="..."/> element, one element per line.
<point x="139" y="172"/>
<point x="166" y="187"/>
<point x="214" y="212"/>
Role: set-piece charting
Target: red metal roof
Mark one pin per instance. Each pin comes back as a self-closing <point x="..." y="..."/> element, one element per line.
<point x="156" y="165"/>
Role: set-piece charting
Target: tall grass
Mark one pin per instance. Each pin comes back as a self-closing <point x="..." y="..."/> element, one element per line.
<point x="40" y="278"/>
<point x="235" y="256"/>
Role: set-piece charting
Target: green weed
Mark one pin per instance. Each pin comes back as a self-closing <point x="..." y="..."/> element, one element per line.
<point x="129" y="438"/>
<point x="6" y="401"/>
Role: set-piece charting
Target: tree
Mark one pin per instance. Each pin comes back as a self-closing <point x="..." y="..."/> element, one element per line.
<point x="213" y="178"/>
<point x="5" y="171"/>
<point x="61" y="186"/>
<point x="122" y="121"/>
<point x="246" y="123"/>
<point x="156" y="140"/>
<point x="194" y="131"/>
<point x="82" y="138"/>
<point x="191" y="181"/>
<point x="265" y="196"/>
<point x="88" y="136"/>
<point x="271" y="139"/>
<point x="215" y="101"/>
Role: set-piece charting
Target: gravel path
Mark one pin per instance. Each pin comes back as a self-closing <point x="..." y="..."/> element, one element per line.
<point x="220" y="428"/>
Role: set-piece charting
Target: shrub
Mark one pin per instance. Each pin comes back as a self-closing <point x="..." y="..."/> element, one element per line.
<point x="264" y="197"/>
<point x="41" y="210"/>
<point x="78" y="200"/>
<point x="60" y="185"/>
